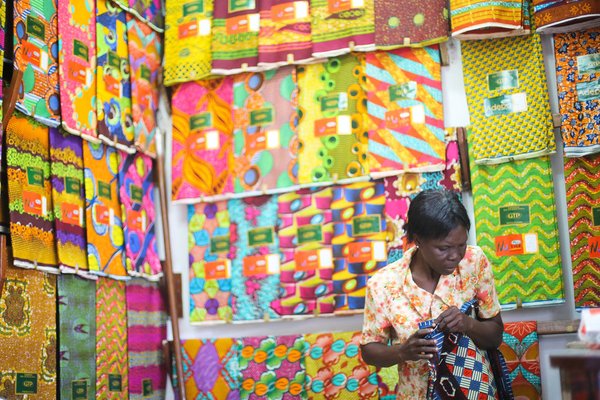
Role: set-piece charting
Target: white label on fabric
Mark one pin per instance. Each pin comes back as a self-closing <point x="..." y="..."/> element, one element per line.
<point x="379" y="251"/>
<point x="325" y="258"/>
<point x="531" y="243"/>
<point x="344" y="125"/>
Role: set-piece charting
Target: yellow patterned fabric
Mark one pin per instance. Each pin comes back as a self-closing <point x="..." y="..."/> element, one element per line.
<point x="187" y="40"/>
<point x="508" y="99"/>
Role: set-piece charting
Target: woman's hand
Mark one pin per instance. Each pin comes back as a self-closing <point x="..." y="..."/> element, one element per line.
<point x="417" y="347"/>
<point x="453" y="321"/>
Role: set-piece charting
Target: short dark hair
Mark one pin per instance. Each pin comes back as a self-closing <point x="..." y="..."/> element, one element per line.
<point x="432" y="214"/>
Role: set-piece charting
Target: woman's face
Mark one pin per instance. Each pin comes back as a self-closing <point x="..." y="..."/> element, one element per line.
<point x="443" y="255"/>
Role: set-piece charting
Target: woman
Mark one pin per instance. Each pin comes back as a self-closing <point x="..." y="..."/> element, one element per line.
<point x="431" y="281"/>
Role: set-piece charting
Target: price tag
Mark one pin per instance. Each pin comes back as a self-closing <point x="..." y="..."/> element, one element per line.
<point x="112" y="84"/>
<point x="136" y="220"/>
<point x="77" y="72"/>
<point x="195" y="28"/>
<point x="289" y="11"/>
<point x="340" y="125"/>
<point x="261" y="265"/>
<point x="243" y="24"/>
<point x="208" y="140"/>
<point x="311" y="260"/>
<point x="34" y="55"/>
<point x="72" y="214"/>
<point x="366" y="251"/>
<point x="516" y="244"/>
<point x="594" y="246"/>
<point x="34" y="203"/>
<point x="104" y="215"/>
<point x="220" y="269"/>
<point x="26" y="384"/>
<point x="336" y="6"/>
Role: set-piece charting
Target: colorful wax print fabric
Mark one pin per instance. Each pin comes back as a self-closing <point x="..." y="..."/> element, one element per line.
<point x="111" y="340"/>
<point x="30" y="194"/>
<point x="210" y="368"/>
<point x="145" y="52"/>
<point x="2" y="47"/>
<point x="77" y="331"/>
<point x="146" y="330"/>
<point x="28" y="335"/>
<point x="520" y="348"/>
<point x="577" y="58"/>
<point x="105" y="243"/>
<point x="305" y="231"/>
<point x="36" y="55"/>
<point x="555" y="16"/>
<point x="235" y="27"/>
<point x="335" y="368"/>
<point x="410" y="23"/>
<point x="508" y="99"/>
<point x="210" y="269"/>
<point x="255" y="257"/>
<point x="136" y="192"/>
<point x="151" y="12"/>
<point x="404" y="106"/>
<point x="583" y="206"/>
<point x="77" y="66"/>
<point x="202" y="139"/>
<point x="113" y="101"/>
<point x="284" y="35"/>
<point x="387" y="380"/>
<point x="332" y="133"/>
<point x="452" y="173"/>
<point x="187" y="40"/>
<point x="339" y="27"/>
<point x="359" y="235"/>
<point x="485" y="19"/>
<point x="515" y="221"/>
<point x="272" y="367"/>
<point x="265" y="139"/>
<point x="66" y="169"/>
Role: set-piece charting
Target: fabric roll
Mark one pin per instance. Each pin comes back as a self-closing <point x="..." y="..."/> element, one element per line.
<point x="305" y="231"/>
<point x="28" y="335"/>
<point x="331" y="130"/>
<point x="210" y="368"/>
<point x="405" y="113"/>
<point x="187" y="40"/>
<point x="151" y="12"/>
<point x="36" y="55"/>
<point x="272" y="367"/>
<point x="284" y="36"/>
<point x="77" y="342"/>
<point x="410" y="23"/>
<point x="359" y="235"/>
<point x="66" y="169"/>
<point x="557" y="16"/>
<point x="583" y="206"/>
<point x="111" y="340"/>
<point x="255" y="257"/>
<point x="265" y="130"/>
<point x="485" y="19"/>
<point x="515" y="222"/>
<point x="508" y="99"/>
<point x="77" y="66"/>
<point x="520" y="348"/>
<point x="335" y="368"/>
<point x="234" y="45"/>
<point x="29" y="194"/>
<point x="105" y="243"/>
<point x="577" y="77"/>
<point x="210" y="269"/>
<point x="146" y="330"/>
<point x="202" y="139"/>
<point x="145" y="52"/>
<point x="136" y="192"/>
<point x="340" y="27"/>
<point x="113" y="101"/>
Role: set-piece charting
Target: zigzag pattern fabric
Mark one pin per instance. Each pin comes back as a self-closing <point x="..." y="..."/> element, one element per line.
<point x="520" y="348"/>
<point x="515" y="221"/>
<point x="405" y="113"/>
<point x="111" y="340"/>
<point x="583" y="207"/>
<point x="508" y="101"/>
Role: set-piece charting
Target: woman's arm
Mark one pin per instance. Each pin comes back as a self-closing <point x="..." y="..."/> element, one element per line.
<point x="415" y="348"/>
<point x="487" y="333"/>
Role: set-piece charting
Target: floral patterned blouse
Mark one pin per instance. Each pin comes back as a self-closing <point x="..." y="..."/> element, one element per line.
<point x="395" y="302"/>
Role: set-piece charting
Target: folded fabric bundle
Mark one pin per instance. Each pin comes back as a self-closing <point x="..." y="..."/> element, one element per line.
<point x="77" y="66"/>
<point x="210" y="269"/>
<point x="30" y="194"/>
<point x="577" y="75"/>
<point x="556" y="16"/>
<point x="202" y="139"/>
<point x="520" y="348"/>
<point x="234" y="45"/>
<point x="583" y="206"/>
<point x="305" y="231"/>
<point x="515" y="221"/>
<point x="508" y="99"/>
<point x="36" y="55"/>
<point x="411" y="23"/>
<point x="145" y="52"/>
<point x="105" y="244"/>
<point x="339" y="27"/>
<point x="265" y="124"/>
<point x="331" y="131"/>
<point x="404" y="106"/>
<point x="28" y="335"/>
<point x="187" y="40"/>
<point x="67" y="178"/>
<point x="485" y="19"/>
